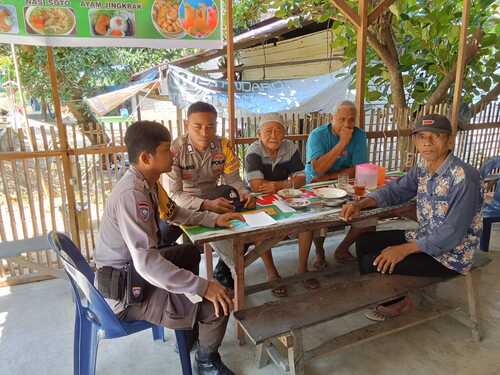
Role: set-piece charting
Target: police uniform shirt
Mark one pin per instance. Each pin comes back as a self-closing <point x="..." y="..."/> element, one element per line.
<point x="196" y="173"/>
<point x="129" y="231"/>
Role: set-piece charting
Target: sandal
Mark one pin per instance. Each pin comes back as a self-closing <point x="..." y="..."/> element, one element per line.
<point x="280" y="291"/>
<point x="319" y="265"/>
<point x="344" y="257"/>
<point x="311" y="284"/>
<point x="381" y="312"/>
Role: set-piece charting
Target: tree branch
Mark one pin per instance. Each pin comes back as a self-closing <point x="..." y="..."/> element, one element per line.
<point x="485" y="100"/>
<point x="471" y="49"/>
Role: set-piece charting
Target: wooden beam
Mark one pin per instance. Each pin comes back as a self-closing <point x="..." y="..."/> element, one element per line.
<point x="347" y="11"/>
<point x="457" y="91"/>
<point x="361" y="62"/>
<point x="230" y="71"/>
<point x="63" y="138"/>
<point x="379" y="10"/>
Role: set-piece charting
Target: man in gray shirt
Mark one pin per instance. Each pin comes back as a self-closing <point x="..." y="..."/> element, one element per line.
<point x="175" y="296"/>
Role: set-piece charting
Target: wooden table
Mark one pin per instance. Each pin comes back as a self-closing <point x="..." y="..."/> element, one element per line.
<point x="230" y="244"/>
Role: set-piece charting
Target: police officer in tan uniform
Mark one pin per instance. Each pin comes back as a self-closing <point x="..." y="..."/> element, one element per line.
<point x="174" y="295"/>
<point x="203" y="161"/>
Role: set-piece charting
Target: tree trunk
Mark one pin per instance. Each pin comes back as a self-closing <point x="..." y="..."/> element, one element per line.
<point x="43" y="107"/>
<point x="88" y="125"/>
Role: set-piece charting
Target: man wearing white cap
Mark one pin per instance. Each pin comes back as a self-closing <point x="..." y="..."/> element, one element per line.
<point x="273" y="163"/>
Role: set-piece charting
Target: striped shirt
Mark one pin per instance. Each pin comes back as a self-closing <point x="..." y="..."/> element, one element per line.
<point x="259" y="165"/>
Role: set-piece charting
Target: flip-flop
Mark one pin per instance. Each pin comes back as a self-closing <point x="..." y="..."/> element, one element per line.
<point x="319" y="265"/>
<point x="311" y="284"/>
<point x="381" y="312"/>
<point x="280" y="291"/>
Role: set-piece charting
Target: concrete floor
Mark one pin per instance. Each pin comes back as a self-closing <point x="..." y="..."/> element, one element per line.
<point x="36" y="335"/>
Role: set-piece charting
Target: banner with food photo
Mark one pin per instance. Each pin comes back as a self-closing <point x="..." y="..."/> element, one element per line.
<point x="112" y="23"/>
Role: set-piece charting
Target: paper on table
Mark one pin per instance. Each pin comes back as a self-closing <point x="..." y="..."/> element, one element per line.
<point x="258" y="219"/>
<point x="283" y="206"/>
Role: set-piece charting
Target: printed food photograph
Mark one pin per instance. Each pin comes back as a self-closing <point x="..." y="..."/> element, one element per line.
<point x="112" y="23"/>
<point x="199" y="18"/>
<point x="165" y="16"/>
<point x="8" y="19"/>
<point x="50" y="20"/>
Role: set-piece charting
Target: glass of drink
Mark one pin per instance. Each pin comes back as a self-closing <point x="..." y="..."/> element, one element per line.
<point x="359" y="190"/>
<point x="342" y="180"/>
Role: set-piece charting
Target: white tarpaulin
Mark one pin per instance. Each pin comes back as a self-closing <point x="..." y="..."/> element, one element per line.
<point x="312" y="94"/>
<point x="105" y="103"/>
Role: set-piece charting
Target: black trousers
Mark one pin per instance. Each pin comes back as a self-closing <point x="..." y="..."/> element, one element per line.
<point x="370" y="245"/>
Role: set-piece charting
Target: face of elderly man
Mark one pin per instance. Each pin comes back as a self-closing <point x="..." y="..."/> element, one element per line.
<point x="271" y="135"/>
<point x="344" y="117"/>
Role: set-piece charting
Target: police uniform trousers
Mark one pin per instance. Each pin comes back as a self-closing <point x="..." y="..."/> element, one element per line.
<point x="176" y="311"/>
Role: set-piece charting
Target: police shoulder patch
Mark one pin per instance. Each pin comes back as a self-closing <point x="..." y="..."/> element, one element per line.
<point x="144" y="211"/>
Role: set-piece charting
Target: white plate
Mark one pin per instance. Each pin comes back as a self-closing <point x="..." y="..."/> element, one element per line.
<point x="298" y="202"/>
<point x="330" y="193"/>
<point x="290" y="193"/>
<point x="334" y="202"/>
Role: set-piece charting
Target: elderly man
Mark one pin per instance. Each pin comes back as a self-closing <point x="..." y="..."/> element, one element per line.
<point x="166" y="287"/>
<point x="332" y="150"/>
<point x="201" y="159"/>
<point x="449" y="200"/>
<point x="273" y="163"/>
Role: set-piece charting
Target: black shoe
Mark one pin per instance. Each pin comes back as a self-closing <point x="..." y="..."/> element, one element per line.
<point x="210" y="364"/>
<point x="222" y="274"/>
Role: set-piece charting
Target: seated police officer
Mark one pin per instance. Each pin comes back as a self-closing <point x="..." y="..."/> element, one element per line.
<point x="201" y="161"/>
<point x="166" y="289"/>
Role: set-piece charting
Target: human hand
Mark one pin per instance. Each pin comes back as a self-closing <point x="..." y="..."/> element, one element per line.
<point x="345" y="135"/>
<point x="389" y="257"/>
<point x="219" y="205"/>
<point x="224" y="220"/>
<point x="219" y="297"/>
<point x="350" y="210"/>
<point x="248" y="199"/>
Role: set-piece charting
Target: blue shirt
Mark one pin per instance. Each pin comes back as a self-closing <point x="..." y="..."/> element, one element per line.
<point x="448" y="210"/>
<point x="323" y="139"/>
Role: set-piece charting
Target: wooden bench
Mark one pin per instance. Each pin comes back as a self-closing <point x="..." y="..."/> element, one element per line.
<point x="282" y="322"/>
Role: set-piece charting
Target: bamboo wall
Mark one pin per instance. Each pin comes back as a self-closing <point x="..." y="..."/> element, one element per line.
<point x="33" y="192"/>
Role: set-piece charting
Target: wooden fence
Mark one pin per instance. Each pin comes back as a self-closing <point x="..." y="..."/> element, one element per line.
<point x="33" y="192"/>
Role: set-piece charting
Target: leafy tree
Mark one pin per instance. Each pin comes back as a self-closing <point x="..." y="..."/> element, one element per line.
<point x="82" y="71"/>
<point x="413" y="47"/>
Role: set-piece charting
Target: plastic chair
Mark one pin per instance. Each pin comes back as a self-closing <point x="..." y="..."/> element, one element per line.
<point x="94" y="319"/>
<point x="491" y="209"/>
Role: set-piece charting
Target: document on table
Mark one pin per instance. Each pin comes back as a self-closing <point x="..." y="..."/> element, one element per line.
<point x="259" y="219"/>
<point x="281" y="204"/>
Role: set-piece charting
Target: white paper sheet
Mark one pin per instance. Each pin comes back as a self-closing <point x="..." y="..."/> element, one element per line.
<point x="283" y="206"/>
<point x="259" y="219"/>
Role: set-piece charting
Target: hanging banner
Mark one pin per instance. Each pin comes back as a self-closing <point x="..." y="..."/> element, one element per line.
<point x="312" y="94"/>
<point x="112" y="23"/>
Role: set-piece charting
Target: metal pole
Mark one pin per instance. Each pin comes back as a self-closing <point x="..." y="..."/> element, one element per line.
<point x="459" y="77"/>
<point x="68" y="179"/>
<point x="230" y="71"/>
<point x="20" y="88"/>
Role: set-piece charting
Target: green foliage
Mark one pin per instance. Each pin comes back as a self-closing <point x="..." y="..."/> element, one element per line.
<point x="82" y="70"/>
<point x="426" y="35"/>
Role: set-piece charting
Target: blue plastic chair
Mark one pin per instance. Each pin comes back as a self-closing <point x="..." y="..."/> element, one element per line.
<point x="491" y="210"/>
<point x="94" y="319"/>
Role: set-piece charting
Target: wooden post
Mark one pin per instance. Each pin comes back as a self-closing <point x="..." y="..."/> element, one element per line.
<point x="457" y="91"/>
<point x="361" y="61"/>
<point x="68" y="179"/>
<point x="230" y="71"/>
